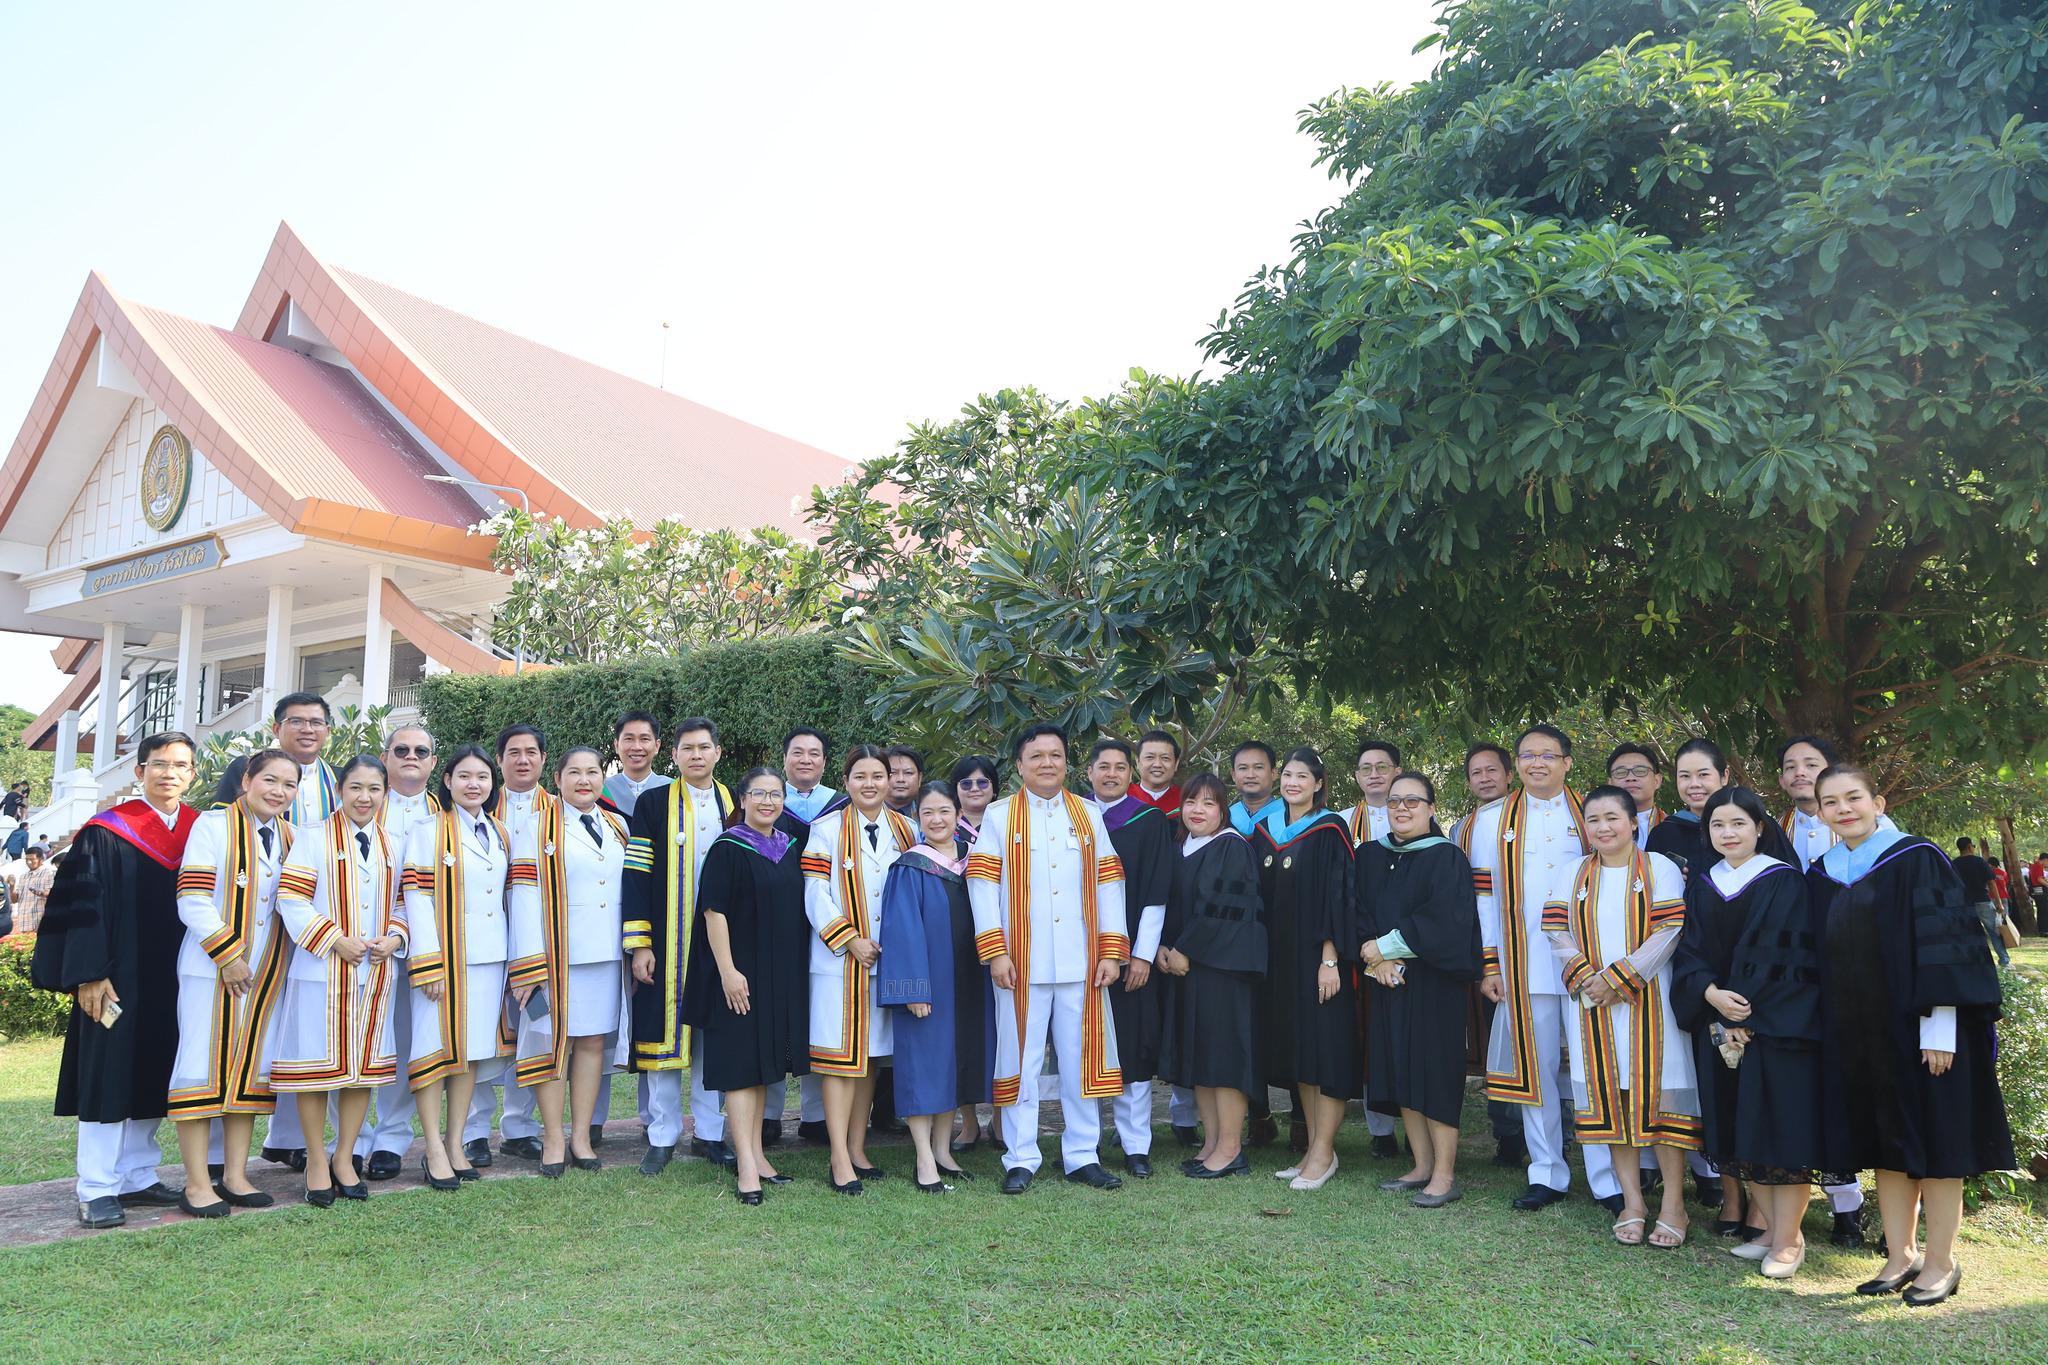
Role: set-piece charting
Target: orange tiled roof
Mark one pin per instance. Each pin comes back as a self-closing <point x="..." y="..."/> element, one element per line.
<point x="583" y="442"/>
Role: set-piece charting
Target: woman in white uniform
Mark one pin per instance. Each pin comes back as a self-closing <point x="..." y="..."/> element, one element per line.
<point x="230" y="975"/>
<point x="563" y="897"/>
<point x="339" y="899"/>
<point x="845" y="864"/>
<point x="455" y="870"/>
<point x="1614" y="935"/>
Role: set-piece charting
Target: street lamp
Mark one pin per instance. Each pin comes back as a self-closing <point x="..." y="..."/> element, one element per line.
<point x="519" y="653"/>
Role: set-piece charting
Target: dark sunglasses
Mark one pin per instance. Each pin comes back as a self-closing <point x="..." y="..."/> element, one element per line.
<point x="411" y="751"/>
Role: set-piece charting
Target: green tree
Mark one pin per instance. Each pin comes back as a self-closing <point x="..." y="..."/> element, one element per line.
<point x="1653" y="344"/>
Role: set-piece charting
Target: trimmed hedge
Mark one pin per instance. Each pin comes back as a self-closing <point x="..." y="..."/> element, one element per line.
<point x="756" y="691"/>
<point x="26" y="1012"/>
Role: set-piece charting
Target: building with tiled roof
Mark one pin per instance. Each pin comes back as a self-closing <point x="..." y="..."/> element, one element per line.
<point x="214" y="518"/>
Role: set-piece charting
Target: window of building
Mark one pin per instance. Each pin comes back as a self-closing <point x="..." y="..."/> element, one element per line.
<point x="320" y="670"/>
<point x="235" y="681"/>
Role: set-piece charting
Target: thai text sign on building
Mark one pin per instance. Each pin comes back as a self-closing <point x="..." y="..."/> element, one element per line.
<point x="154" y="566"/>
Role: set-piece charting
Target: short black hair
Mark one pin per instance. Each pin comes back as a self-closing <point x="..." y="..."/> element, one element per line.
<point x="977" y="763"/>
<point x="1272" y="759"/>
<point x="1160" y="737"/>
<point x="1108" y="745"/>
<point x="897" y="751"/>
<point x="690" y="725"/>
<point x="255" y="763"/>
<point x="1827" y="750"/>
<point x="1371" y="742"/>
<point x="1607" y="791"/>
<point x="1548" y="731"/>
<point x="1487" y="746"/>
<point x="1965" y="844"/>
<point x="512" y="732"/>
<point x="162" y="739"/>
<point x="466" y="751"/>
<point x="1743" y="799"/>
<point x="629" y="717"/>
<point x="1631" y="746"/>
<point x="802" y="730"/>
<point x="1412" y="775"/>
<point x="291" y="699"/>
<point x="941" y="787"/>
<point x="1038" y="729"/>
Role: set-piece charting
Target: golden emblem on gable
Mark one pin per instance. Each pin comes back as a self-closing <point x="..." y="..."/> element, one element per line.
<point x="166" y="478"/>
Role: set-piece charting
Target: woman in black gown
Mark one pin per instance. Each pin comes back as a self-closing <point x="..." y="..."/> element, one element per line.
<point x="1747" y="963"/>
<point x="1212" y="952"/>
<point x="1909" y="1029"/>
<point x="1308" y="1021"/>
<point x="1700" y="770"/>
<point x="1419" y="919"/>
<point x="748" y="994"/>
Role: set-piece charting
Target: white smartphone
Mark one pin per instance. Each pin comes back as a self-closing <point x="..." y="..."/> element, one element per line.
<point x="109" y="1013"/>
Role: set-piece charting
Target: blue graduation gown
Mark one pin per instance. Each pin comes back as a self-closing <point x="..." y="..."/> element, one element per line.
<point x="947" y="1058"/>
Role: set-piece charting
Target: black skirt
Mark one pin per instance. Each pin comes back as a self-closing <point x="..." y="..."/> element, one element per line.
<point x="1415" y="1045"/>
<point x="1208" y="1039"/>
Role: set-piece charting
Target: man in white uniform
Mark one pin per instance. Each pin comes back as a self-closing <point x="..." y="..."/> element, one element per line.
<point x="522" y="757"/>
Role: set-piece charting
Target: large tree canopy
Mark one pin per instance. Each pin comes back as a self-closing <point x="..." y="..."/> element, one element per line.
<point x="1651" y="343"/>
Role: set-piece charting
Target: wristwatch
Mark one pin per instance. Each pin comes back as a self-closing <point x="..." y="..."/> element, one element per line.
<point x="1329" y="962"/>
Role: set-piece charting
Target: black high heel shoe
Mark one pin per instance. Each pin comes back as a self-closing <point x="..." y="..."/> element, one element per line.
<point x="469" y="1173"/>
<point x="852" y="1186"/>
<point x="777" y="1179"/>
<point x="955" y="1173"/>
<point x="1916" y="1297"/>
<point x="1733" y="1227"/>
<point x="1878" y="1287"/>
<point x="321" y="1199"/>
<point x="435" y="1182"/>
<point x="587" y="1163"/>
<point x="748" y="1197"/>
<point x="359" y="1190"/>
<point x="552" y="1170"/>
<point x="936" y="1187"/>
<point x="868" y="1172"/>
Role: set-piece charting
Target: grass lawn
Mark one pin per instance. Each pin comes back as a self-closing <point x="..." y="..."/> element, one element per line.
<point x="613" y="1265"/>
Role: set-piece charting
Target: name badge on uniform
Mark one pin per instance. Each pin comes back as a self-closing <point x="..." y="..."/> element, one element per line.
<point x="1508" y="835"/>
<point x="1638" y="886"/>
<point x="548" y="850"/>
<point x="849" y="862"/>
<point x="241" y="879"/>
<point x="447" y="860"/>
<point x="1582" y="893"/>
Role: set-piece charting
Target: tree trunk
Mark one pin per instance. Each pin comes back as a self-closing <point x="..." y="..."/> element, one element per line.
<point x="2020" y="900"/>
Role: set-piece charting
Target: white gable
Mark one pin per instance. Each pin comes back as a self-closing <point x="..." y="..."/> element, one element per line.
<point x="105" y="519"/>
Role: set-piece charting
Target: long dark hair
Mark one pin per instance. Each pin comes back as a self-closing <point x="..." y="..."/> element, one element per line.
<point x="1743" y="799"/>
<point x="447" y="797"/>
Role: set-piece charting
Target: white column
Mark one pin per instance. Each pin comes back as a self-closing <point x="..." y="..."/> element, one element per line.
<point x="113" y="656"/>
<point x="277" y="650"/>
<point x="191" y="634"/>
<point x="67" y="742"/>
<point x="376" y="644"/>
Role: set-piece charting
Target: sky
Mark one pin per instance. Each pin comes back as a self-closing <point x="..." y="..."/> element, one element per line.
<point x="852" y="217"/>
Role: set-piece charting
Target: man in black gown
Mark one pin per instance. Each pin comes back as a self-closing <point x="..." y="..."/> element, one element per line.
<point x="109" y="940"/>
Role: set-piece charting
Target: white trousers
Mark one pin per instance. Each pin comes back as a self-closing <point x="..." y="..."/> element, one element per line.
<point x="1378" y="1124"/>
<point x="1057" y="1009"/>
<point x="391" y="1130"/>
<point x="665" y="1108"/>
<point x="1133" y="1113"/>
<point x="1845" y="1198"/>
<point x="811" y="1094"/>
<point x="1180" y="1110"/>
<point x="116" y="1158"/>
<point x="1543" y="1124"/>
<point x="521" y="1118"/>
<point x="286" y="1132"/>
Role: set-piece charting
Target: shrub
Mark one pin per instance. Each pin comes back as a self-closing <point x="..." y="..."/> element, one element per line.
<point x="2023" y="1064"/>
<point x="26" y="1012"/>
<point x="755" y="690"/>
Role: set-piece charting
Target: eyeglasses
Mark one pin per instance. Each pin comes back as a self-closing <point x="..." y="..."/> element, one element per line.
<point x="412" y="751"/>
<point x="1526" y="757"/>
<point x="1376" y="767"/>
<point x="974" y="783"/>
<point x="168" y="765"/>
<point x="304" y="723"/>
<point x="1633" y="771"/>
<point x="764" y="794"/>
<point x="1408" y="802"/>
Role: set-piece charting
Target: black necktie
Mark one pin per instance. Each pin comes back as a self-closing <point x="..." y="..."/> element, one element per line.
<point x="874" y="841"/>
<point x="363" y="841"/>
<point x="590" y="823"/>
<point x="266" y="834"/>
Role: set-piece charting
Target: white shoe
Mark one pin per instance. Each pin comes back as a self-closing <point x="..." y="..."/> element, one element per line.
<point x="1288" y="1174"/>
<point x="1302" y="1182"/>
<point x="1775" y="1269"/>
<point x="1751" y="1251"/>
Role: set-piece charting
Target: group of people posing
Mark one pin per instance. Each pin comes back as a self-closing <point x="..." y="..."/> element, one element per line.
<point x="1782" y="1001"/>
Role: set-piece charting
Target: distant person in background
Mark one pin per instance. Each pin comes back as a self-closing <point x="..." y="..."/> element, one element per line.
<point x="2037" y="885"/>
<point x="1976" y="874"/>
<point x="977" y="782"/>
<point x="1158" y="767"/>
<point x="36" y="881"/>
<point x="906" y="775"/>
<point x="14" y="806"/>
<point x="636" y="739"/>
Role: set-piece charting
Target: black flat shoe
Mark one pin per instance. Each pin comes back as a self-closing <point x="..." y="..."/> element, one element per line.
<point x="255" y="1199"/>
<point x="657" y="1159"/>
<point x="870" y="1172"/>
<point x="552" y="1170"/>
<point x="1093" y="1176"/>
<point x="1916" y="1297"/>
<point x="1539" y="1197"/>
<point x="526" y="1149"/>
<point x="596" y="1136"/>
<point x="1188" y="1164"/>
<point x="469" y="1173"/>
<point x="383" y="1166"/>
<point x="435" y="1182"/>
<point x="321" y="1199"/>
<point x="814" y="1132"/>
<point x="1876" y="1288"/>
<point x="1016" y="1180"/>
<point x="777" y="1179"/>
<point x="1612" y="1203"/>
<point x="1139" y="1165"/>
<point x="192" y="1210"/>
<point x="1727" y="1227"/>
<point x="355" y="1191"/>
<point x="852" y="1186"/>
<point x="936" y="1187"/>
<point x="587" y="1163"/>
<point x="1238" y="1165"/>
<point x="955" y="1173"/>
<point x="753" y="1197"/>
<point x="159" y="1195"/>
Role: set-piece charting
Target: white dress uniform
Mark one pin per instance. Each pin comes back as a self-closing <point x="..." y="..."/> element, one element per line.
<point x="334" y="1032"/>
<point x="592" y="852"/>
<point x="392" y="1129"/>
<point x="518" y="811"/>
<point x="227" y="899"/>
<point x="848" y="856"/>
<point x="471" y="971"/>
<point x="1030" y="850"/>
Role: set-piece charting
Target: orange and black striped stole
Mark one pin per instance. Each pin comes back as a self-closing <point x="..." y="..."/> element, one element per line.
<point x="850" y="1058"/>
<point x="1523" y="1083"/>
<point x="449" y="967"/>
<point x="1482" y="877"/>
<point x="548" y="872"/>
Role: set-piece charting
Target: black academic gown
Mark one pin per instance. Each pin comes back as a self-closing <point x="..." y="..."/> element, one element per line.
<point x="1764" y="1117"/>
<point x="762" y="900"/>
<point x="656" y="1031"/>
<point x="1416" y="1030"/>
<point x="1306" y="883"/>
<point x="1896" y="943"/>
<point x="113" y="915"/>
<point x="1145" y="845"/>
<point x="1684" y="841"/>
<point x="1214" y="916"/>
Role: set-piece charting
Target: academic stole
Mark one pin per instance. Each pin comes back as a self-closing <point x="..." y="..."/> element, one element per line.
<point x="1098" y="1078"/>
<point x="1603" y="1120"/>
<point x="549" y="872"/>
<point x="1790" y="822"/>
<point x="233" y="1085"/>
<point x="672" y="1052"/>
<point x="1523" y="1084"/>
<point x="444" y="882"/>
<point x="1361" y="823"/>
<point x="344" y="886"/>
<point x="330" y="798"/>
<point x="851" y="1057"/>
<point x="1482" y="877"/>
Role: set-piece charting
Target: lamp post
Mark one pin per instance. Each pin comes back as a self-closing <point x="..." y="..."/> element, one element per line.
<point x="519" y="651"/>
